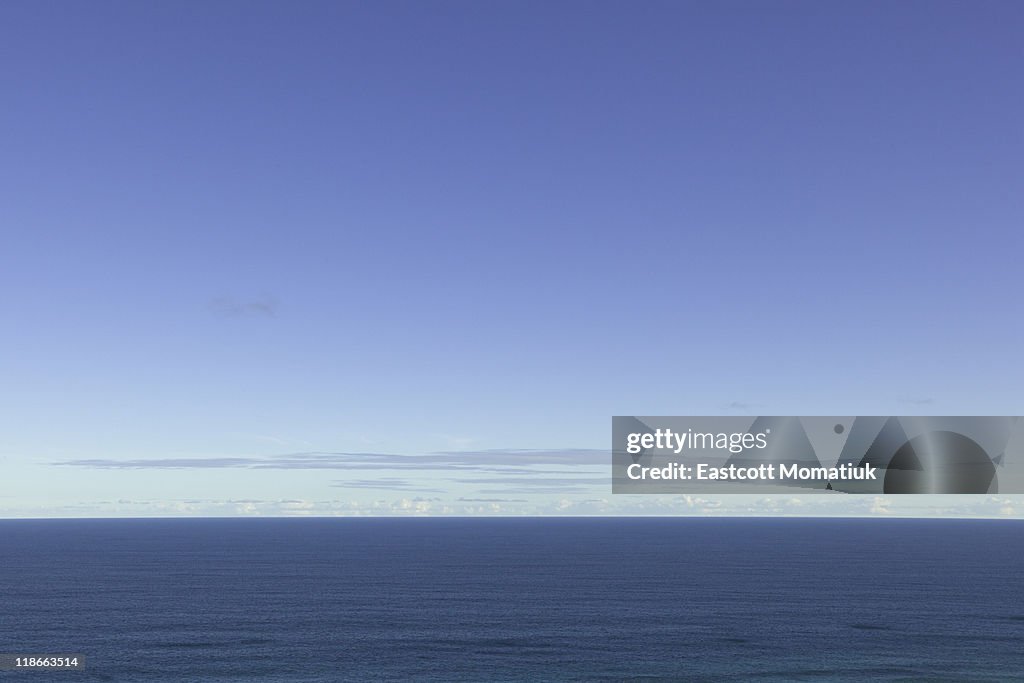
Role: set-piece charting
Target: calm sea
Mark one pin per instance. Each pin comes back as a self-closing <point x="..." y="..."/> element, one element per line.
<point x="516" y="599"/>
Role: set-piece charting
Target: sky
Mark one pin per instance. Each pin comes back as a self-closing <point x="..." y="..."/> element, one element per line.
<point x="254" y="256"/>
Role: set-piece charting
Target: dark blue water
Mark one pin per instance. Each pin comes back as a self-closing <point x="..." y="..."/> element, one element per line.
<point x="517" y="600"/>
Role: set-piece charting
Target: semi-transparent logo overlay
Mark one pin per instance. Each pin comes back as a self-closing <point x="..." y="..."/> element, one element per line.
<point x="877" y="454"/>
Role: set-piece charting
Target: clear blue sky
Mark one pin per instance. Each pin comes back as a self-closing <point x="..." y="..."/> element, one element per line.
<point x="241" y="229"/>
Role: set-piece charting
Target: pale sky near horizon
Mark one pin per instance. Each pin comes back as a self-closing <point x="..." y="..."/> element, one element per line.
<point x="234" y="234"/>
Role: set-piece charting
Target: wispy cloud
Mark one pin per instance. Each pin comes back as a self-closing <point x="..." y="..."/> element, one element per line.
<point x="550" y="481"/>
<point x="492" y="500"/>
<point x="497" y="461"/>
<point x="485" y="473"/>
<point x="918" y="401"/>
<point x="385" y="484"/>
<point x="159" y="463"/>
<point x="741" y="406"/>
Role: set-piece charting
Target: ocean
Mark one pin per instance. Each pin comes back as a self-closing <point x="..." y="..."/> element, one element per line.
<point x="570" y="599"/>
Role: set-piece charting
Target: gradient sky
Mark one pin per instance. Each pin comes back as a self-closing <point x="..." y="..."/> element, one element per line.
<point x="252" y="230"/>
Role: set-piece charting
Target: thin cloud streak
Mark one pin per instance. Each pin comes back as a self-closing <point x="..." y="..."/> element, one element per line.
<point x="494" y="461"/>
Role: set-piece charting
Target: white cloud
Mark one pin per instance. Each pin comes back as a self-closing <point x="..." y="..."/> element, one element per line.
<point x="880" y="506"/>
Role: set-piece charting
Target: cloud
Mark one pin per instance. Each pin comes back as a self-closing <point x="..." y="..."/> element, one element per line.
<point x="741" y="406"/>
<point x="493" y="500"/>
<point x="496" y="461"/>
<point x="919" y="401"/>
<point x="158" y="463"/>
<point x="550" y="481"/>
<point x="384" y="484"/>
<point x="880" y="506"/>
<point x="226" y="307"/>
<point x="537" y="483"/>
<point x="490" y="473"/>
<point x="557" y="504"/>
